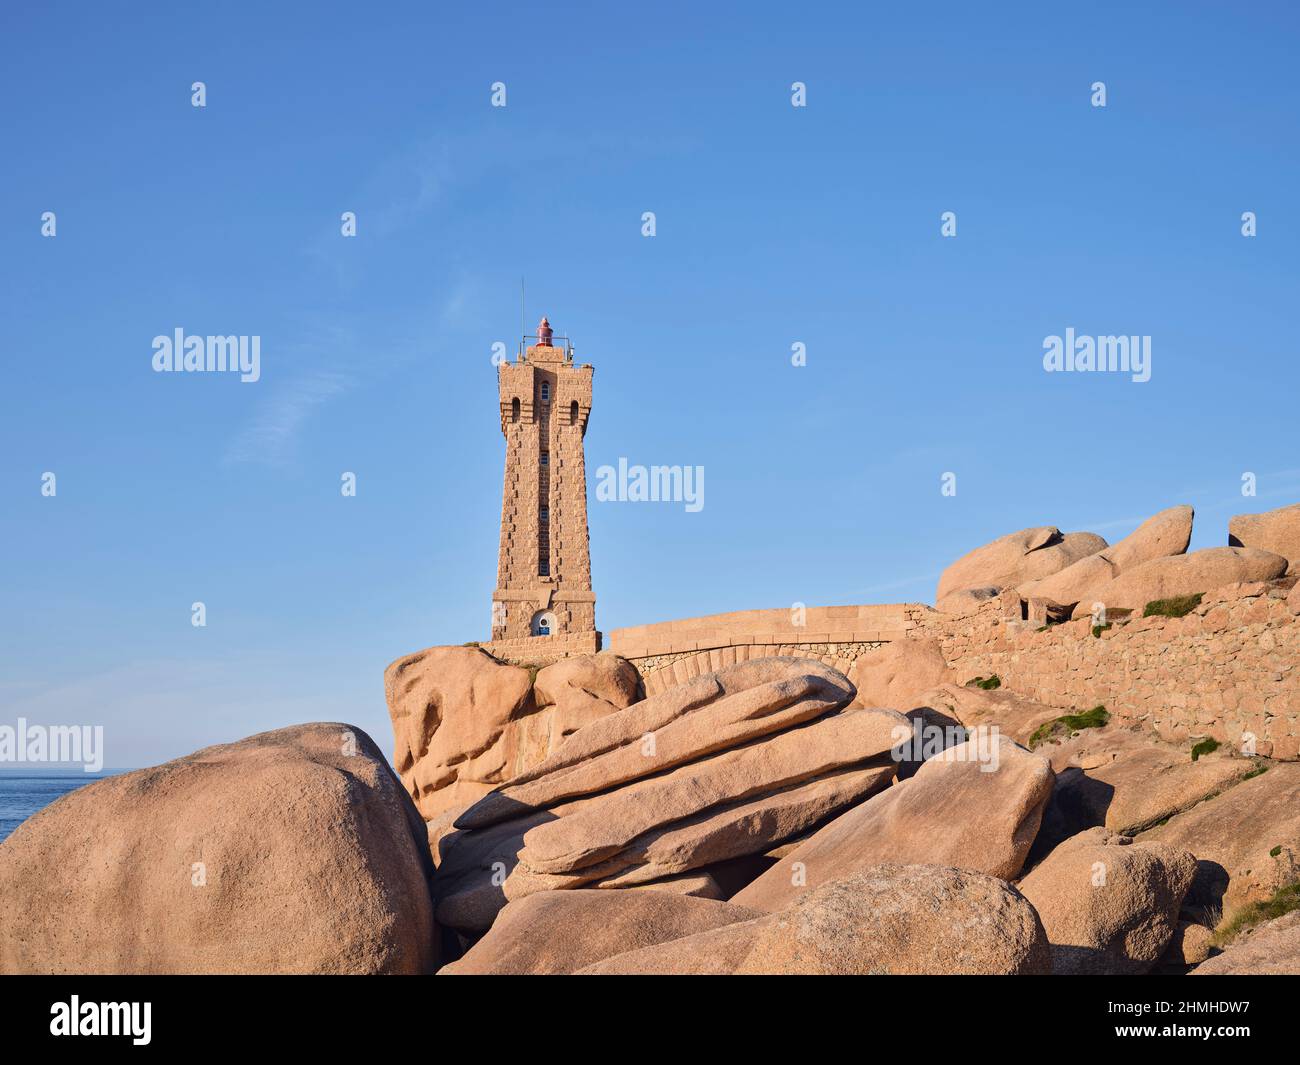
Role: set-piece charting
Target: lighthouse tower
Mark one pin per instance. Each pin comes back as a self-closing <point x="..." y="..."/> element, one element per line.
<point x="543" y="602"/>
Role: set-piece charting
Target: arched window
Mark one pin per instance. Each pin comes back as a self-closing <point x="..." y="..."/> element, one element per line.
<point x="514" y="409"/>
<point x="546" y="391"/>
<point x="573" y="413"/>
<point x="543" y="623"/>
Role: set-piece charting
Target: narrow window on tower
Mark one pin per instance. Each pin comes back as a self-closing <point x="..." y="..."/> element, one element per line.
<point x="546" y="458"/>
<point x="546" y="391"/>
<point x="573" y="413"/>
<point x="514" y="409"/>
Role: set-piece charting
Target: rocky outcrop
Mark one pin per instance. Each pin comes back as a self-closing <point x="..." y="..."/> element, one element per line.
<point x="1109" y="906"/>
<point x="878" y="921"/>
<point x="727" y="765"/>
<point x="1127" y="781"/>
<point x="1277" y="531"/>
<point x="1246" y="840"/>
<point x="559" y="932"/>
<point x="972" y="707"/>
<point x="976" y="806"/>
<point x="610" y="827"/>
<point x="1177" y="575"/>
<point x="1012" y="560"/>
<point x="1271" y="949"/>
<point x="966" y="601"/>
<point x="295" y="851"/>
<point x="464" y="722"/>
<point x="1165" y="534"/>
<point x="727" y="708"/>
<point x="895" y="674"/>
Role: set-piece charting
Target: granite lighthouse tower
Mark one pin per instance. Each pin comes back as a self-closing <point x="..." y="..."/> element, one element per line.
<point x="543" y="602"/>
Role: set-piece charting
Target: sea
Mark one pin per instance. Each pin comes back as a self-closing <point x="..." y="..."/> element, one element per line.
<point x="24" y="791"/>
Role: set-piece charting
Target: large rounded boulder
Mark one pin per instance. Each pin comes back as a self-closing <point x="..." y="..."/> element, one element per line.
<point x="294" y="851"/>
<point x="1277" y="531"/>
<point x="1012" y="560"/>
<point x="1162" y="535"/>
<point x="1110" y="906"/>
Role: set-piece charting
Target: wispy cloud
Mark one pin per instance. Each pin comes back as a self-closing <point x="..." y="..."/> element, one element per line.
<point x="272" y="436"/>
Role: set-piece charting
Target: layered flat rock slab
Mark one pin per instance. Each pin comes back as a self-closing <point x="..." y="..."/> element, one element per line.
<point x="1272" y="949"/>
<point x="560" y="932"/>
<point x="294" y="851"/>
<point x="1179" y="575"/>
<point x="1246" y="841"/>
<point x="603" y="829"/>
<point x="481" y="870"/>
<point x="1142" y="785"/>
<point x="712" y="713"/>
<point x="882" y="920"/>
<point x="976" y="806"/>
<point x="697" y="883"/>
<point x="1109" y="906"/>
<point x="747" y="827"/>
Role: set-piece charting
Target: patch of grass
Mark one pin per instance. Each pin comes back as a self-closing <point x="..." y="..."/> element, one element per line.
<point x="1205" y="746"/>
<point x="1260" y="769"/>
<point x="1177" y="607"/>
<point x="1097" y="630"/>
<point x="1275" y="851"/>
<point x="1284" y="900"/>
<point x="988" y="684"/>
<point x="1068" y="724"/>
<point x="472" y="643"/>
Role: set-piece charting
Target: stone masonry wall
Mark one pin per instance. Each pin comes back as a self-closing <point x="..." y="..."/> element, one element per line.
<point x="1228" y="670"/>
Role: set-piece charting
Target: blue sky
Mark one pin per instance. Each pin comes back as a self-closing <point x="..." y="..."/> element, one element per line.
<point x="775" y="225"/>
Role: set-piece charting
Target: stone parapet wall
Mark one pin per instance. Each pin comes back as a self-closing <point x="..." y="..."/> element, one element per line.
<point x="798" y="626"/>
<point x="661" y="672"/>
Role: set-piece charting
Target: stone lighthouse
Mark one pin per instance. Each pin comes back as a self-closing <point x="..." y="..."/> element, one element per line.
<point x="543" y="603"/>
